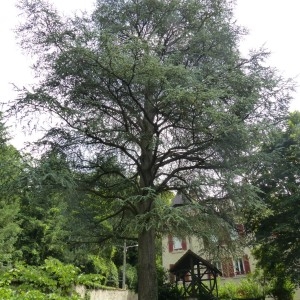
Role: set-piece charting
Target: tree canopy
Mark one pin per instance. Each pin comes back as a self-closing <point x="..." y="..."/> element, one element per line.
<point x="153" y="96"/>
<point x="277" y="232"/>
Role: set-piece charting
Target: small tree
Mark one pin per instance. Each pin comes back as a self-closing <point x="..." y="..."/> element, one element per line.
<point x="160" y="88"/>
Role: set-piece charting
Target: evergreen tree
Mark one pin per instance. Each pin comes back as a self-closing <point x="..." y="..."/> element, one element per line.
<point x="160" y="88"/>
<point x="277" y="231"/>
<point x="43" y="208"/>
<point x="10" y="174"/>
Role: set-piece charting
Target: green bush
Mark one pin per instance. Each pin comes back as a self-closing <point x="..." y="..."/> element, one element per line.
<point x="228" y="290"/>
<point x="10" y="294"/>
<point x="91" y="280"/>
<point x="167" y="290"/>
<point x="106" y="269"/>
<point x="131" y="277"/>
<point x="247" y="288"/>
<point x="65" y="275"/>
<point x="282" y="288"/>
<point x="53" y="280"/>
<point x="6" y="293"/>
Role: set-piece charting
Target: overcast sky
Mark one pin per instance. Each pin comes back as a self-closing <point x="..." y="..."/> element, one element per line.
<point x="272" y="23"/>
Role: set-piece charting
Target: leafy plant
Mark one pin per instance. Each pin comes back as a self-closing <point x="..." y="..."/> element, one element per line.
<point x="53" y="280"/>
<point x="91" y="280"/>
<point x="131" y="277"/>
<point x="167" y="290"/>
<point x="6" y="293"/>
<point x="248" y="288"/>
<point x="282" y="288"/>
<point x="105" y="269"/>
<point x="227" y="290"/>
<point x="64" y="274"/>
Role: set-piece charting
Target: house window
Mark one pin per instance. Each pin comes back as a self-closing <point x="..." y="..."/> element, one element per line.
<point x="239" y="266"/>
<point x="176" y="244"/>
<point x="228" y="267"/>
<point x="218" y="265"/>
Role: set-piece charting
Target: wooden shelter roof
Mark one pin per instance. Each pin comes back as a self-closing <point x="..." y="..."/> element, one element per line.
<point x="179" y="200"/>
<point x="184" y="263"/>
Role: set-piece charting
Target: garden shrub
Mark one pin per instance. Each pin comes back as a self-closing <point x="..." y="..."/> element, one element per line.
<point x="167" y="290"/>
<point x="131" y="277"/>
<point x="282" y="288"/>
<point x="247" y="288"/>
<point x="106" y="269"/>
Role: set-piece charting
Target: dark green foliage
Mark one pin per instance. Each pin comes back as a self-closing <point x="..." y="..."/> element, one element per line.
<point x="161" y="89"/>
<point x="131" y="276"/>
<point x="43" y="207"/>
<point x="92" y="206"/>
<point x="282" y="288"/>
<point x="105" y="267"/>
<point x="167" y="290"/>
<point x="281" y="284"/>
<point x="10" y="193"/>
<point x="277" y="231"/>
<point x="54" y="225"/>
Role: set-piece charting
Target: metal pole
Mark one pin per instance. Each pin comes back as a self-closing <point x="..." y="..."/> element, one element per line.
<point x="124" y="266"/>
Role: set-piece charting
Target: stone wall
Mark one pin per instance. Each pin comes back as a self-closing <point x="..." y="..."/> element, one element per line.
<point x="105" y="294"/>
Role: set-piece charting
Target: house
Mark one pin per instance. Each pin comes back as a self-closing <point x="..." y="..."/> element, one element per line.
<point x="232" y="267"/>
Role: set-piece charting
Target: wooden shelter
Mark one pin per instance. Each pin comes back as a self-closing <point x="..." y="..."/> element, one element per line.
<point x="197" y="276"/>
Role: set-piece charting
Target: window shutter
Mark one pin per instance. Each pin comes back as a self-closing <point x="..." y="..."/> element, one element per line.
<point x="231" y="268"/>
<point x="183" y="243"/>
<point x="246" y="264"/>
<point x="170" y="243"/>
<point x="228" y="268"/>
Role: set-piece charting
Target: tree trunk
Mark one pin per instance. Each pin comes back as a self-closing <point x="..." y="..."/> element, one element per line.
<point x="147" y="277"/>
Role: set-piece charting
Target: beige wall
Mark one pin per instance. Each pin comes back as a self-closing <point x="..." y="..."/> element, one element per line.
<point x="172" y="257"/>
<point x="297" y="295"/>
<point x="105" y="294"/>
